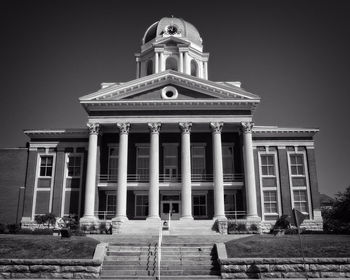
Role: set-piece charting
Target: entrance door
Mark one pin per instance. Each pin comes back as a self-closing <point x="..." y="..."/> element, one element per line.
<point x="170" y="204"/>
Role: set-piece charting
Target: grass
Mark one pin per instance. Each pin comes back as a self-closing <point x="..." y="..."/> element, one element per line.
<point x="269" y="246"/>
<point x="46" y="247"/>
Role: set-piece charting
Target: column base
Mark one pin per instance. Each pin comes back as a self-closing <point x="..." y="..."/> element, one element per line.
<point x="220" y="218"/>
<point x="186" y="218"/>
<point x="153" y="218"/>
<point x="88" y="220"/>
<point x="120" y="219"/>
<point x="254" y="218"/>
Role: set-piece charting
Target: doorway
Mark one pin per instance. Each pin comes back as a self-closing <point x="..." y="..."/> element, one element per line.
<point x="170" y="203"/>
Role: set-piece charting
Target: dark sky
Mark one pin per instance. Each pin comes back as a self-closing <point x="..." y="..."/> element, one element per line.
<point x="294" y="54"/>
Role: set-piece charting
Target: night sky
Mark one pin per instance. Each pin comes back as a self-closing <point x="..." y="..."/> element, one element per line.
<point x="294" y="54"/>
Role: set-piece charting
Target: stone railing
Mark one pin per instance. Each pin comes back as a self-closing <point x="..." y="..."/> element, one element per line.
<point x="54" y="268"/>
<point x="242" y="268"/>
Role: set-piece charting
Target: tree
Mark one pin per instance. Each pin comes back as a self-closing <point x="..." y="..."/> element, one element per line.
<point x="337" y="219"/>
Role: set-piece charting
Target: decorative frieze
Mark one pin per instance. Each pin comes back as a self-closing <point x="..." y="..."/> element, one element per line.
<point x="123" y="128"/>
<point x="94" y="128"/>
<point x="216" y="127"/>
<point x="247" y="127"/>
<point x="185" y="127"/>
<point x="154" y="127"/>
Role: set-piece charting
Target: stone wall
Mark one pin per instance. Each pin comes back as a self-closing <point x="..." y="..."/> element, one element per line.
<point x="54" y="268"/>
<point x="242" y="268"/>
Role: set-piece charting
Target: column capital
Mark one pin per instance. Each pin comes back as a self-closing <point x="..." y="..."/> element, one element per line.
<point x="247" y="127"/>
<point x="154" y="127"/>
<point x="185" y="127"/>
<point x="216" y="127"/>
<point x="123" y="128"/>
<point x="94" y="128"/>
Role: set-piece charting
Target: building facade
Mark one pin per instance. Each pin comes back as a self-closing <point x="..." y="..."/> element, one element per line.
<point x="171" y="141"/>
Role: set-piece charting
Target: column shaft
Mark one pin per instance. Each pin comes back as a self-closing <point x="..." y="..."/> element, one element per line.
<point x="187" y="64"/>
<point x="156" y="62"/>
<point x="91" y="173"/>
<point x="186" y="193"/>
<point x="122" y="171"/>
<point x="249" y="172"/>
<point x="219" y="206"/>
<point x="181" y="62"/>
<point x="153" y="196"/>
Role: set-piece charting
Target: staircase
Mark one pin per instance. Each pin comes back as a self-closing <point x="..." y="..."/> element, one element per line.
<point x="179" y="260"/>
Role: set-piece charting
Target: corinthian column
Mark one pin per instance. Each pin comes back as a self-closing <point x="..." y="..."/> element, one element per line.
<point x="122" y="171"/>
<point x="219" y="206"/>
<point x="153" y="195"/>
<point x="89" y="216"/>
<point x="186" y="194"/>
<point x="249" y="172"/>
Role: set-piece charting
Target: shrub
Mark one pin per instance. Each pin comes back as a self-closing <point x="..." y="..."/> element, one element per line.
<point x="65" y="233"/>
<point x="25" y="231"/>
<point x="42" y="231"/>
<point x="232" y="226"/>
<point x="102" y="227"/>
<point x="2" y="228"/>
<point x="71" y="222"/>
<point x="253" y="227"/>
<point x="282" y="223"/>
<point x="49" y="219"/>
<point x="13" y="228"/>
<point x="84" y="228"/>
<point x="242" y="227"/>
<point x="78" y="232"/>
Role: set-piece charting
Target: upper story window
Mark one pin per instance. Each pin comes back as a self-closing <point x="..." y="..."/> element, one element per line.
<point x="74" y="168"/>
<point x="268" y="165"/>
<point x="170" y="161"/>
<point x="227" y="159"/>
<point x="150" y="67"/>
<point x="297" y="164"/>
<point x="198" y="162"/>
<point x="113" y="154"/>
<point x="171" y="64"/>
<point x="142" y="162"/>
<point x="46" y="164"/>
<point x="194" y="68"/>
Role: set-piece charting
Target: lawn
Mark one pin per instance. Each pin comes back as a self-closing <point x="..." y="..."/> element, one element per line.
<point x="46" y="247"/>
<point x="269" y="246"/>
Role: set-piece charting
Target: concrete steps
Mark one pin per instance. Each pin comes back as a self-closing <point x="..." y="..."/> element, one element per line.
<point x="178" y="261"/>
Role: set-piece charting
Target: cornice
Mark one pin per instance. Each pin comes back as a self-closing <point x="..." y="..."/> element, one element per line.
<point x="266" y="131"/>
<point x="67" y="133"/>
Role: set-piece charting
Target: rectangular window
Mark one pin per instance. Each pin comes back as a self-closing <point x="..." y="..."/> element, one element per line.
<point x="300" y="200"/>
<point x="142" y="163"/>
<point x="227" y="159"/>
<point x="198" y="162"/>
<point x="199" y="205"/>
<point x="299" y="181"/>
<point x="270" y="202"/>
<point x="46" y="165"/>
<point x="268" y="165"/>
<point x="113" y="154"/>
<point x="141" y="206"/>
<point x="170" y="160"/>
<point x="111" y="205"/>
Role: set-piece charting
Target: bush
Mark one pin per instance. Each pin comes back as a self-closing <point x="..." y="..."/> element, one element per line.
<point x="78" y="232"/>
<point x="2" y="228"/>
<point x="48" y="219"/>
<point x="13" y="228"/>
<point x="71" y="222"/>
<point x="242" y="227"/>
<point x="282" y="223"/>
<point x="253" y="227"/>
<point x="65" y="233"/>
<point x="232" y="226"/>
<point x="43" y="231"/>
<point x="25" y="231"/>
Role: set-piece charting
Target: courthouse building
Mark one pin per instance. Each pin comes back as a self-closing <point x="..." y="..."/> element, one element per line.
<point x="170" y="140"/>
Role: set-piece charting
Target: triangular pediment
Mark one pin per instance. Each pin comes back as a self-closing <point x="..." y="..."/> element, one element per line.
<point x="149" y="88"/>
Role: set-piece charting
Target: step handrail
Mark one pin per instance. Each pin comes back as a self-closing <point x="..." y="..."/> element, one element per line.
<point x="160" y="239"/>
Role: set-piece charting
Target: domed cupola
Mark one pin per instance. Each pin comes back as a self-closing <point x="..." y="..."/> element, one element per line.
<point x="175" y="44"/>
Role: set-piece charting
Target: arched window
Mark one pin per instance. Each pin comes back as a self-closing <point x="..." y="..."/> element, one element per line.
<point x="171" y="64"/>
<point x="150" y="67"/>
<point x="194" y="68"/>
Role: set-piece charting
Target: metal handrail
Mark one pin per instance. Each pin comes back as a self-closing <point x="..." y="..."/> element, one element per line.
<point x="235" y="215"/>
<point x="144" y="178"/>
<point x="160" y="240"/>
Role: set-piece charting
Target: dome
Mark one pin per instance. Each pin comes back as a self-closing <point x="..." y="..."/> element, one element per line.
<point x="170" y="26"/>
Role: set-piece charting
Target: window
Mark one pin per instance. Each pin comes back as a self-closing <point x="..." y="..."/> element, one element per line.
<point x="170" y="162"/>
<point x="150" y="67"/>
<point x="111" y="205"/>
<point x="46" y="165"/>
<point x="141" y="206"/>
<point x="299" y="181"/>
<point x="297" y="164"/>
<point x="230" y="203"/>
<point x="198" y="162"/>
<point x="199" y="205"/>
<point x="194" y="68"/>
<point x="171" y="63"/>
<point x="270" y="202"/>
<point x="269" y="182"/>
<point x="268" y="165"/>
<point x="113" y="154"/>
<point x="142" y="162"/>
<point x="227" y="161"/>
<point x="300" y="200"/>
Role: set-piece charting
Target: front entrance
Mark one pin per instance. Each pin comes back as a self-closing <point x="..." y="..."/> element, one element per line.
<point x="170" y="203"/>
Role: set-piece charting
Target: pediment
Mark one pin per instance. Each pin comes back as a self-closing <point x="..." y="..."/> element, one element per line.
<point x="149" y="88"/>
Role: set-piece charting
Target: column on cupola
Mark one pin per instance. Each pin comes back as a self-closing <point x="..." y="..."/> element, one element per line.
<point x="153" y="195"/>
<point x="156" y="61"/>
<point x="186" y="193"/>
<point x="138" y="68"/>
<point x="205" y="70"/>
<point x="122" y="171"/>
<point x="249" y="172"/>
<point x="90" y="189"/>
<point x="181" y="61"/>
<point x="187" y="63"/>
<point x="219" y="206"/>
<point x="162" y="61"/>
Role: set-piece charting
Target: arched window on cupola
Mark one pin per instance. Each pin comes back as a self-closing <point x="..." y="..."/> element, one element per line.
<point x="194" y="68"/>
<point x="171" y="64"/>
<point x="150" y="67"/>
